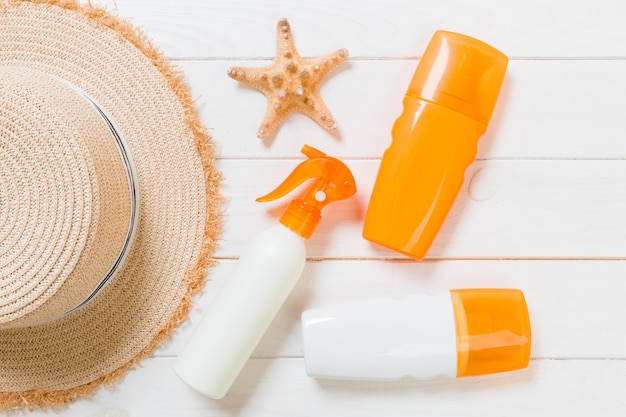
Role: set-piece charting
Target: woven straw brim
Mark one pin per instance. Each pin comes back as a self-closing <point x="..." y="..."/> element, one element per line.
<point x="179" y="217"/>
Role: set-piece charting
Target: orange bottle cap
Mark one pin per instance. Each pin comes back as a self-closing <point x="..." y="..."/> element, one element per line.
<point x="493" y="331"/>
<point x="333" y="181"/>
<point x="461" y="73"/>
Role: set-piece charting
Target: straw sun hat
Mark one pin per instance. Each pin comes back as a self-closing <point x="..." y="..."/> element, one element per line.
<point x="109" y="205"/>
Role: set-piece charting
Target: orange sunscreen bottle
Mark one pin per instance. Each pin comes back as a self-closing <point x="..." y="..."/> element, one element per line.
<point x="446" y="109"/>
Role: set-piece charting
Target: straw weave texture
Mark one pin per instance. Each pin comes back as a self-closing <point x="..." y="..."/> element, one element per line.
<point x="68" y="211"/>
<point x="179" y="218"/>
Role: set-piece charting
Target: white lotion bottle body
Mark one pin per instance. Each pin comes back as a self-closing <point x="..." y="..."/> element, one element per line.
<point x="242" y="311"/>
<point x="382" y="339"/>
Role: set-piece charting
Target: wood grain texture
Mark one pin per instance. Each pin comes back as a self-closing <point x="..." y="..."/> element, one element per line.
<point x="389" y="29"/>
<point x="273" y="388"/>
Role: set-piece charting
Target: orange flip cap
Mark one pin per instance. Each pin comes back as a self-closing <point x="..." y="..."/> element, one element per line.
<point x="493" y="331"/>
<point x="333" y="181"/>
<point x="447" y="107"/>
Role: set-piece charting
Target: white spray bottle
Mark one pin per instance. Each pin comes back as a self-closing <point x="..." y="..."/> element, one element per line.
<point x="262" y="279"/>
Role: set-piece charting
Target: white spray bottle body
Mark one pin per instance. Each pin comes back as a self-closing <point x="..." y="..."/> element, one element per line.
<point x="227" y="335"/>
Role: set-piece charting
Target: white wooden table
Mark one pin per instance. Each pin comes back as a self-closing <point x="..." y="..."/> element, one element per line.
<point x="543" y="207"/>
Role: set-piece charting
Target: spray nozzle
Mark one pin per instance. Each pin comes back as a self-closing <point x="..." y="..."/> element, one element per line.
<point x="333" y="182"/>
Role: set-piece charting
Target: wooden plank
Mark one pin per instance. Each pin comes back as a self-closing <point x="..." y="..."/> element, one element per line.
<point x="272" y="388"/>
<point x="547" y="109"/>
<point x="556" y="28"/>
<point x="576" y="307"/>
<point x="506" y="209"/>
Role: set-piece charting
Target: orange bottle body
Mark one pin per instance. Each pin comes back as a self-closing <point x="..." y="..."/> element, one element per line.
<point x="420" y="176"/>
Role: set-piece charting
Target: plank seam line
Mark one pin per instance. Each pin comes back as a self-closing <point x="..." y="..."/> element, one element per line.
<point x="394" y="259"/>
<point x="534" y="359"/>
<point x="363" y="58"/>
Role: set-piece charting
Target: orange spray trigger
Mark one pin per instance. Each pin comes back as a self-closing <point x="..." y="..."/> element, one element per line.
<point x="333" y="182"/>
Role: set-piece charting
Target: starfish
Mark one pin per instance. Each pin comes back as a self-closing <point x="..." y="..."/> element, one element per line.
<point x="291" y="83"/>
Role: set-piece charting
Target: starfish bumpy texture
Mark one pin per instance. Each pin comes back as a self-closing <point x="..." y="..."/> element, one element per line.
<point x="291" y="83"/>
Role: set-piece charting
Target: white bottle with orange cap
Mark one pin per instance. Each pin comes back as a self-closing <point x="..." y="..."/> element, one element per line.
<point x="262" y="279"/>
<point x="453" y="334"/>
